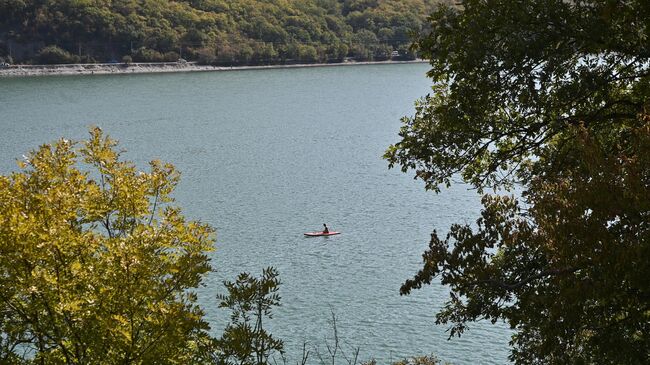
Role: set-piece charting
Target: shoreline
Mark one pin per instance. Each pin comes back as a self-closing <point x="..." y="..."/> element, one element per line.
<point x="158" y="67"/>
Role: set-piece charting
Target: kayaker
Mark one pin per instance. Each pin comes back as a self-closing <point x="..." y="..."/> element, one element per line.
<point x="325" y="229"/>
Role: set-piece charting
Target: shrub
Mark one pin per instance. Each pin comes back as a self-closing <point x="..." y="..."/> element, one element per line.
<point x="415" y="360"/>
<point x="383" y="52"/>
<point x="87" y="59"/>
<point x="147" y="55"/>
<point x="171" y="56"/>
<point x="420" y="360"/>
<point x="307" y="53"/>
<point x="245" y="340"/>
<point x="361" y="53"/>
<point x="56" y="55"/>
<point x="206" y="56"/>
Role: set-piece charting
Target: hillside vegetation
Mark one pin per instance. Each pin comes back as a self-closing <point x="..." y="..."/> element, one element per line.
<point x="210" y="31"/>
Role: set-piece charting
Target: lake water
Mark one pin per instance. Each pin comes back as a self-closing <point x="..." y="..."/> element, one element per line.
<point x="266" y="155"/>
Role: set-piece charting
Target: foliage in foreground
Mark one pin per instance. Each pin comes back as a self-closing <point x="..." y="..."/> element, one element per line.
<point x="245" y="341"/>
<point x="552" y="96"/>
<point x="415" y="360"/>
<point x="95" y="265"/>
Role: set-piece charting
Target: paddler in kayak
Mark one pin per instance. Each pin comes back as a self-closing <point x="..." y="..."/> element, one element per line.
<point x="325" y="229"/>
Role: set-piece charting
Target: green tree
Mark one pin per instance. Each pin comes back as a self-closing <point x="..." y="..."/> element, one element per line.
<point x="245" y="341"/>
<point x="56" y="55"/>
<point x="96" y="265"/>
<point x="106" y="30"/>
<point x="307" y="53"/>
<point x="552" y="96"/>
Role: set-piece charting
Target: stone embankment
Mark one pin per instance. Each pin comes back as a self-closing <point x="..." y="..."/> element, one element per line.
<point x="159" y="67"/>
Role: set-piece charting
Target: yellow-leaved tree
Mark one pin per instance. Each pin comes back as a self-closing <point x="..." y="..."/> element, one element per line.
<point x="96" y="266"/>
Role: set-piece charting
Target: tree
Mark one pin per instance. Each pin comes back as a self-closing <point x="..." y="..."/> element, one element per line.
<point x="106" y="30"/>
<point x="554" y="97"/>
<point x="245" y="341"/>
<point x="56" y="55"/>
<point x="96" y="266"/>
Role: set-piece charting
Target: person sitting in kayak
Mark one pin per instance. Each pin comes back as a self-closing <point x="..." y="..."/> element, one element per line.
<point x="325" y="230"/>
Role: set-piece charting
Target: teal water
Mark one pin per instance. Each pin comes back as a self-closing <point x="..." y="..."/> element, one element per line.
<point x="267" y="155"/>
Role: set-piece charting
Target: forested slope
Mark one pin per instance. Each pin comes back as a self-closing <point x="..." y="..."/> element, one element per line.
<point x="212" y="31"/>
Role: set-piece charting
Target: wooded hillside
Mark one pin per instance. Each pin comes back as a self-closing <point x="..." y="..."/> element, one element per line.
<point x="211" y="31"/>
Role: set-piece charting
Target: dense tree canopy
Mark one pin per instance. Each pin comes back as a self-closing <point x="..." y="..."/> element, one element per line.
<point x="96" y="266"/>
<point x="239" y="31"/>
<point x="552" y="96"/>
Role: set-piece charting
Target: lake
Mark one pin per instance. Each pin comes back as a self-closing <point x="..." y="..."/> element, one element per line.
<point x="266" y="155"/>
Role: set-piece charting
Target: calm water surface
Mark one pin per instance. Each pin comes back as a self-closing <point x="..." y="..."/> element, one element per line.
<point x="265" y="156"/>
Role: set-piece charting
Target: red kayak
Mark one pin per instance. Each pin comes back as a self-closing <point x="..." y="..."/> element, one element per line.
<point x="316" y="234"/>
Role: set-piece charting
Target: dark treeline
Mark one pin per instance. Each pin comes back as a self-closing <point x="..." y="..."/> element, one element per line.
<point x="209" y="31"/>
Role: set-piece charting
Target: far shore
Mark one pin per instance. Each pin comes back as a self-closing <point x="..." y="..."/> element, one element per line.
<point x="158" y="67"/>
